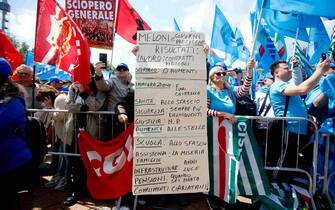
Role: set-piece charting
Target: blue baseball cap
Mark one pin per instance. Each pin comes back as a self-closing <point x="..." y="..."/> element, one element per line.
<point x="5" y="68"/>
<point x="55" y="79"/>
<point x="122" y="66"/>
<point x="221" y="64"/>
<point x="238" y="70"/>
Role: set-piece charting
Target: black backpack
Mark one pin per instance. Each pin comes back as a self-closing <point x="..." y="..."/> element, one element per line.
<point x="246" y="106"/>
<point x="36" y="139"/>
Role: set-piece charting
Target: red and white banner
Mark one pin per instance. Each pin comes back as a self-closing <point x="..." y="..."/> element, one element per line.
<point x="128" y="22"/>
<point x="95" y="19"/>
<point x="59" y="41"/>
<point x="109" y="164"/>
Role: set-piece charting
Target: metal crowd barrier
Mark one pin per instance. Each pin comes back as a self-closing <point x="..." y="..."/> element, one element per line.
<point x="263" y="121"/>
<point x="327" y="177"/>
<point x="49" y="116"/>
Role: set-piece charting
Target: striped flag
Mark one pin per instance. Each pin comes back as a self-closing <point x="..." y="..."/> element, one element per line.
<point x="280" y="46"/>
<point x="286" y="196"/>
<point x="227" y="143"/>
<point x="301" y="55"/>
<point x="252" y="179"/>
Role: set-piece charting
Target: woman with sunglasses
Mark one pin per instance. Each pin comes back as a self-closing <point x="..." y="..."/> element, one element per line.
<point x="221" y="97"/>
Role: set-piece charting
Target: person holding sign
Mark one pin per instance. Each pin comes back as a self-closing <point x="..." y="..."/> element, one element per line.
<point x="221" y="97"/>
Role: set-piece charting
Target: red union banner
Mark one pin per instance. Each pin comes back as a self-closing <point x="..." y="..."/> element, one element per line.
<point x="95" y="18"/>
<point x="59" y="42"/>
<point x="109" y="164"/>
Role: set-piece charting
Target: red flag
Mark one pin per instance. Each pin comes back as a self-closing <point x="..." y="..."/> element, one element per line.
<point x="128" y="22"/>
<point x="109" y="164"/>
<point x="59" y="41"/>
<point x="9" y="52"/>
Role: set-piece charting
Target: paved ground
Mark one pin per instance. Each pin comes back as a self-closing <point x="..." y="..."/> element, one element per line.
<point x="43" y="198"/>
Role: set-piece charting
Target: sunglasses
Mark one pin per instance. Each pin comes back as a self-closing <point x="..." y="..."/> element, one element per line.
<point x="220" y="74"/>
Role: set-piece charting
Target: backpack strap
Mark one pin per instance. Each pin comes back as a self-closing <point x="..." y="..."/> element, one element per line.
<point x="267" y="110"/>
<point x="286" y="105"/>
<point x="264" y="102"/>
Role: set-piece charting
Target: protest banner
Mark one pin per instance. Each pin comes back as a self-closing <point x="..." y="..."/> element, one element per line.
<point x="95" y="19"/>
<point x="170" y="135"/>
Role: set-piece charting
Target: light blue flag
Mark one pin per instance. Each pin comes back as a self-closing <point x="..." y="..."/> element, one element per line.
<point x="324" y="8"/>
<point x="319" y="42"/>
<point x="243" y="51"/>
<point x="214" y="58"/>
<point x="286" y="23"/>
<point x="223" y="37"/>
<point x="270" y="46"/>
<point x="176" y="27"/>
<point x="45" y="72"/>
<point x="30" y="58"/>
<point x="270" y="54"/>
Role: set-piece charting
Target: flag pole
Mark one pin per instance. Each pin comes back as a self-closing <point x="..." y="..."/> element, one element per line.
<point x="115" y="15"/>
<point x="295" y="41"/>
<point x="254" y="72"/>
<point x="257" y="29"/>
<point x="34" y="86"/>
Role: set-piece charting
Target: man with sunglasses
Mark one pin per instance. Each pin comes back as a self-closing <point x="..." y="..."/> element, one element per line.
<point x="116" y="89"/>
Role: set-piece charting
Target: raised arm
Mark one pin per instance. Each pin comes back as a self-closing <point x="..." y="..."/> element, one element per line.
<point x="307" y="85"/>
<point x="244" y="89"/>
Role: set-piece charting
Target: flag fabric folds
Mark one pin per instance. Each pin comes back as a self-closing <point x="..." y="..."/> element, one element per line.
<point x="9" y="52"/>
<point x="128" y="22"/>
<point x="59" y="42"/>
<point x="287" y="22"/>
<point x="108" y="164"/>
<point x="324" y="8"/>
<point x="304" y="63"/>
<point x="225" y="168"/>
<point x="214" y="58"/>
<point x="252" y="179"/>
<point x="176" y="26"/>
<point x="319" y="42"/>
<point x="223" y="37"/>
<point x="243" y="51"/>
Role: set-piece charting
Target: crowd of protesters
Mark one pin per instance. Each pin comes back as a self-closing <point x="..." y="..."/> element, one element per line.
<point x="281" y="92"/>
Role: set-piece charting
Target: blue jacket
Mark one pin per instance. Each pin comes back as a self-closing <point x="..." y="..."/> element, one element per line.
<point x="14" y="152"/>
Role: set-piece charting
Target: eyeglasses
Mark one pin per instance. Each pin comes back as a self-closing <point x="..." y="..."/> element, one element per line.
<point x="221" y="74"/>
<point x="23" y="73"/>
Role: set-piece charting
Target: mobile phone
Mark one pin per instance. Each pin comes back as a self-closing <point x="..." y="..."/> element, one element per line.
<point x="103" y="58"/>
<point x="323" y="56"/>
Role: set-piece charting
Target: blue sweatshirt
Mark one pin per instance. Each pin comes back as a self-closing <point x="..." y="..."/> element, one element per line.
<point x="14" y="152"/>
